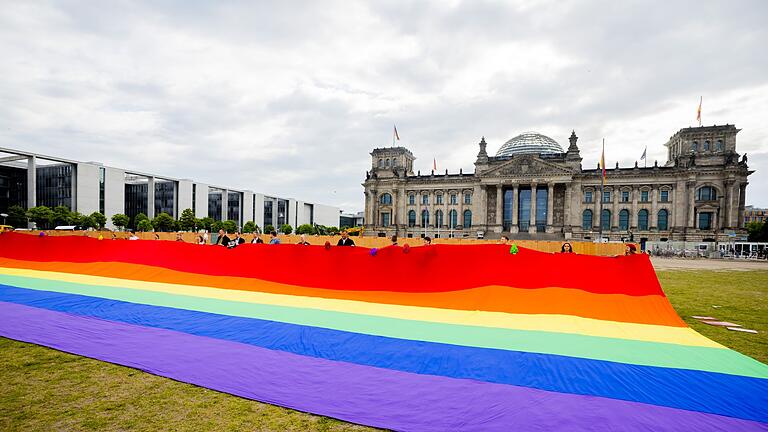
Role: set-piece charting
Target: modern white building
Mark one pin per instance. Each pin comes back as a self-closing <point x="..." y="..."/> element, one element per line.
<point x="29" y="179"/>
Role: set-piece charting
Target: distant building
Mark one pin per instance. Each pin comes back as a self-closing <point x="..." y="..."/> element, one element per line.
<point x="349" y="220"/>
<point x="533" y="188"/>
<point x="754" y="214"/>
<point x="29" y="179"/>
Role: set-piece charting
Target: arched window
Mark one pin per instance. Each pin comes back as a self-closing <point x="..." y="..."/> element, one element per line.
<point x="386" y="163"/>
<point x="642" y="220"/>
<point x="438" y="218"/>
<point x="719" y="145"/>
<point x="453" y="218"/>
<point x="424" y="218"/>
<point x="624" y="220"/>
<point x="706" y="193"/>
<point x="412" y="218"/>
<point x="467" y="218"/>
<point x="663" y="223"/>
<point x="386" y="199"/>
<point x="606" y="219"/>
<point x="694" y="146"/>
<point x="586" y="219"/>
<point x="381" y="163"/>
<point x="412" y="199"/>
<point x="706" y="145"/>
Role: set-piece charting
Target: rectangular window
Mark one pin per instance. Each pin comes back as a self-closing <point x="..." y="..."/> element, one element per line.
<point x="664" y="196"/>
<point x="411" y="199"/>
<point x="467" y="198"/>
<point x="588" y="196"/>
<point x="425" y="199"/>
<point x="385" y="219"/>
<point x="453" y="199"/>
<point x="606" y="196"/>
<point x="439" y="199"/>
<point x="624" y="196"/>
<point x="102" y="175"/>
<point x="644" y="196"/>
<point x="705" y="221"/>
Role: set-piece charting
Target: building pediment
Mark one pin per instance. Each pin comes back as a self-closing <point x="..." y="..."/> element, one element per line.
<point x="527" y="165"/>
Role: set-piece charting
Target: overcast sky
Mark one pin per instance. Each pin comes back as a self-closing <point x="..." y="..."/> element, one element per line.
<point x="289" y="98"/>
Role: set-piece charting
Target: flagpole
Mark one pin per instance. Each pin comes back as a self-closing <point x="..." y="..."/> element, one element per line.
<point x="602" y="190"/>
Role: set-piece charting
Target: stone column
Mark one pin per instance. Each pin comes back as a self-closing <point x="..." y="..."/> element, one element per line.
<point x="691" y="204"/>
<point x="151" y="198"/>
<point x="633" y="216"/>
<point x="567" y="207"/>
<point x="460" y="214"/>
<point x="32" y="186"/>
<point x="499" y="208"/>
<point x="742" y="204"/>
<point x="532" y="226"/>
<point x="654" y="216"/>
<point x="515" y="209"/>
<point x="550" y="206"/>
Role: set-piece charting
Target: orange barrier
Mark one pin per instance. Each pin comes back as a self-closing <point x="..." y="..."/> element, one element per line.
<point x="580" y="247"/>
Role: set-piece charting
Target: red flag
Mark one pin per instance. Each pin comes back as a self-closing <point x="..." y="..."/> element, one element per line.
<point x="395" y="136"/>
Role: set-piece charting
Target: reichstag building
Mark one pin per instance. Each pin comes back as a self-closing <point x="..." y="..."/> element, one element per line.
<point x="534" y="189"/>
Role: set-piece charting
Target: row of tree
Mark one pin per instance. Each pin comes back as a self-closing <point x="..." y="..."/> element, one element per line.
<point x="47" y="218"/>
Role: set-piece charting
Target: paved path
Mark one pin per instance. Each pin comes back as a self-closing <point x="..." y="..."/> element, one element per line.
<point x="707" y="264"/>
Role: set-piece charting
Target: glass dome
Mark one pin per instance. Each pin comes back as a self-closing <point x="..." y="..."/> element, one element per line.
<point x="530" y="142"/>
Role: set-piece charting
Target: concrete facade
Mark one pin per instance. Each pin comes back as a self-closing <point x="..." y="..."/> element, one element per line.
<point x="98" y="188"/>
<point x="534" y="192"/>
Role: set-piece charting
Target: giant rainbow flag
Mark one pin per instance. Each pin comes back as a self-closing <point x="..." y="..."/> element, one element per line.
<point x="437" y="338"/>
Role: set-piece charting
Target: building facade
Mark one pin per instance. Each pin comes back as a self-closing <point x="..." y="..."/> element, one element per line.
<point x="532" y="188"/>
<point x="29" y="180"/>
<point x="754" y="214"/>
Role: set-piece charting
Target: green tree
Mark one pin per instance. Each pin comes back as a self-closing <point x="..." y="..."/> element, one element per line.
<point x="216" y="226"/>
<point x="286" y="229"/>
<point x="268" y="229"/>
<point x="99" y="219"/>
<point x="138" y="218"/>
<point x="41" y="215"/>
<point x="62" y="216"/>
<point x="187" y="220"/>
<point x="17" y="217"/>
<point x="76" y="219"/>
<point x="229" y="226"/>
<point x="758" y="231"/>
<point x="163" y="222"/>
<point x="249" y="227"/>
<point x="305" y="229"/>
<point x="88" y="222"/>
<point x="144" y="225"/>
<point x="205" y="223"/>
<point x="120" y="221"/>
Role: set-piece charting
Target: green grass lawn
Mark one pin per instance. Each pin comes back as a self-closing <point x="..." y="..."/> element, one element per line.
<point x="43" y="389"/>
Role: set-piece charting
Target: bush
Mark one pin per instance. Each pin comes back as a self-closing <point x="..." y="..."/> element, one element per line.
<point x="268" y="229"/>
<point x="286" y="229"/>
<point x="250" y="227"/>
<point x="138" y="218"/>
<point x="305" y="229"/>
<point x="229" y="226"/>
<point x="187" y="221"/>
<point x="41" y="215"/>
<point x="205" y="223"/>
<point x="17" y="217"/>
<point x="120" y="221"/>
<point x="163" y="222"/>
<point x="99" y="219"/>
<point x="62" y="216"/>
<point x="144" y="225"/>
